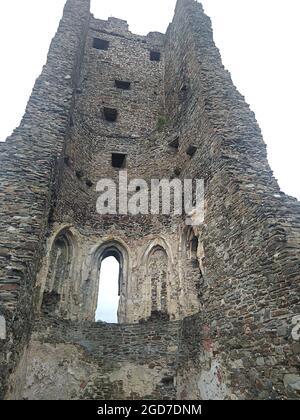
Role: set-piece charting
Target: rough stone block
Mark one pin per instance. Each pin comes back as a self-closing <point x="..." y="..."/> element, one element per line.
<point x="2" y="328"/>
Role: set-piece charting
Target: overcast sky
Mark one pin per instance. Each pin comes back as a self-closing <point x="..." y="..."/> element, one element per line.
<point x="108" y="299"/>
<point x="259" y="43"/>
<point x="258" y="39"/>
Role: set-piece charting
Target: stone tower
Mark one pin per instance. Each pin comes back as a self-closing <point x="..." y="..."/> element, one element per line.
<point x="206" y="312"/>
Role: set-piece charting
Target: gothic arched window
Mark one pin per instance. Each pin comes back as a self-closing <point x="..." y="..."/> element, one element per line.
<point x="158" y="273"/>
<point x="109" y="285"/>
<point x="59" y="272"/>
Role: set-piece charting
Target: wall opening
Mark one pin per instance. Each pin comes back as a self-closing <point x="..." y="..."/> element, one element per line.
<point x="175" y="143"/>
<point x="93" y="294"/>
<point x="100" y="44"/>
<point x="109" y="288"/>
<point x="194" y="248"/>
<point x="154" y="55"/>
<point x="193" y="273"/>
<point x="118" y="160"/>
<point x="110" y="114"/>
<point x="158" y="272"/>
<point x="55" y="297"/>
<point x="121" y="84"/>
<point x="191" y="243"/>
<point x="191" y="150"/>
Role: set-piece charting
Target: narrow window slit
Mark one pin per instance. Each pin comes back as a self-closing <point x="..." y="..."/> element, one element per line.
<point x="100" y="44"/>
<point x="154" y="55"/>
<point x="191" y="150"/>
<point x="118" y="160"/>
<point x="121" y="84"/>
<point x="174" y="143"/>
<point x="177" y="171"/>
<point x="110" y="114"/>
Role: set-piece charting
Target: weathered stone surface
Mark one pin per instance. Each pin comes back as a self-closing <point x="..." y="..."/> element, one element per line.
<point x="2" y="328"/>
<point x="71" y="360"/>
<point x="214" y="306"/>
<point x="292" y="381"/>
<point x="296" y="328"/>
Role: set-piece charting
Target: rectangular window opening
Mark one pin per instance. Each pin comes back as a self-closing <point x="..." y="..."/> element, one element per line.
<point x="174" y="143"/>
<point x="110" y="114"/>
<point x="100" y="44"/>
<point x="191" y="150"/>
<point x="154" y="55"/>
<point x="118" y="160"/>
<point x="121" y="84"/>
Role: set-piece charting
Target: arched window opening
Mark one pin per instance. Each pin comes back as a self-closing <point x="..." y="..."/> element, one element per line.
<point x="158" y="272"/>
<point x="105" y="283"/>
<point x="110" y="278"/>
<point x="58" y="274"/>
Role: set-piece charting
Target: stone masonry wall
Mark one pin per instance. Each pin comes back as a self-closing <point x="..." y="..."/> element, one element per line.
<point x="88" y="159"/>
<point x="30" y="163"/>
<point x="230" y="287"/>
<point x="67" y="360"/>
<point x="243" y="343"/>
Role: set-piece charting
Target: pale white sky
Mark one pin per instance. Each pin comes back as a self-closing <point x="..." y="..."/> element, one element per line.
<point x="108" y="299"/>
<point x="258" y="39"/>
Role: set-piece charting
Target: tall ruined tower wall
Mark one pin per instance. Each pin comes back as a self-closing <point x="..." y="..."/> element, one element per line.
<point x="249" y="242"/>
<point x="227" y="324"/>
<point x="31" y="161"/>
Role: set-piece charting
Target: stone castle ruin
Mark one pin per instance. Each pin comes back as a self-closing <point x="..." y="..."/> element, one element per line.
<point x="206" y="312"/>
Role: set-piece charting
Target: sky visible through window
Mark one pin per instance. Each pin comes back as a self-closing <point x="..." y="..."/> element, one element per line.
<point x="108" y="299"/>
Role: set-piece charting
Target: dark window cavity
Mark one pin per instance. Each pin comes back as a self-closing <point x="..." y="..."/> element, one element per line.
<point x="120" y="84"/>
<point x="110" y="114"/>
<point x="118" y="160"/>
<point x="100" y="44"/>
<point x="174" y="143"/>
<point x="154" y="55"/>
<point x="191" y="150"/>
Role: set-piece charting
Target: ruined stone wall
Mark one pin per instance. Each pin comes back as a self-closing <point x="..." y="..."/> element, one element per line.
<point x="81" y="285"/>
<point x="88" y="159"/>
<point x="93" y="139"/>
<point x="67" y="360"/>
<point x="233" y="281"/>
<point x="30" y="161"/>
<point x="249" y="244"/>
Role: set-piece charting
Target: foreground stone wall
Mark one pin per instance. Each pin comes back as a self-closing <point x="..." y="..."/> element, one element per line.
<point x="67" y="360"/>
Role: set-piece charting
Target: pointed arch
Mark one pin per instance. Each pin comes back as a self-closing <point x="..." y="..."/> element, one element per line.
<point x="61" y="257"/>
<point x="158" y="262"/>
<point x="158" y="276"/>
<point x="109" y="248"/>
<point x="158" y="241"/>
